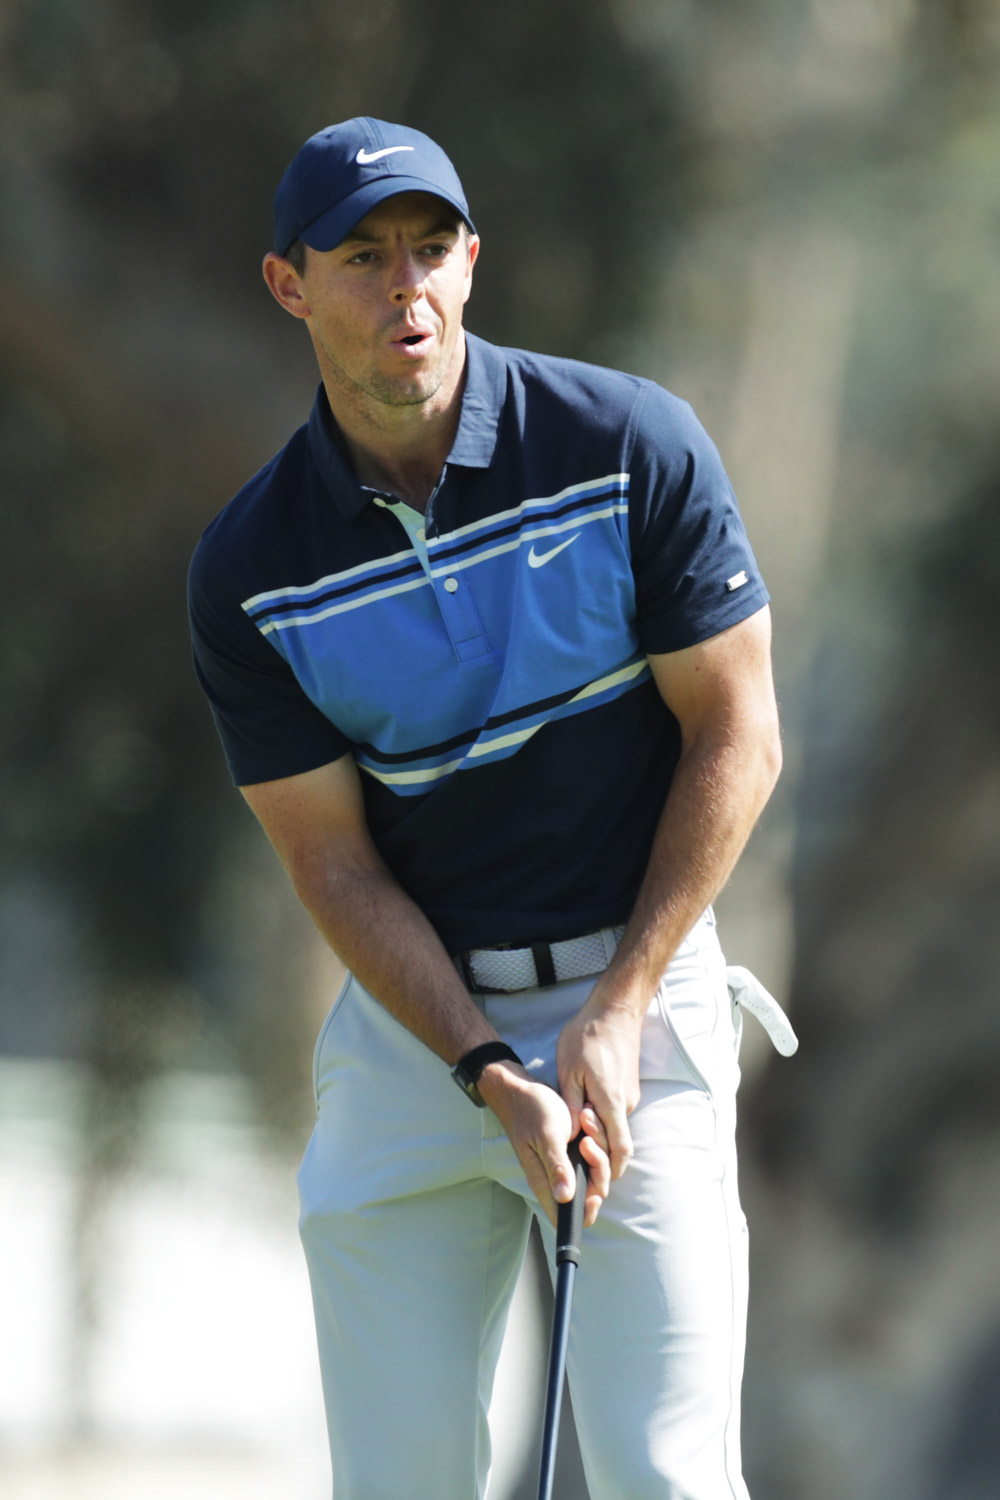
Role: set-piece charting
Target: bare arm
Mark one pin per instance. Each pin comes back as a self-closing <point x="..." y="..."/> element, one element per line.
<point x="316" y="822"/>
<point x="722" y="695"/>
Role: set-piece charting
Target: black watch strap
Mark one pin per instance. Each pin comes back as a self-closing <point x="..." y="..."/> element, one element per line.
<point x="468" y="1068"/>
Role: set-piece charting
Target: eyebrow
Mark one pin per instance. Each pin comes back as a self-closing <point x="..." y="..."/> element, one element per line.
<point x="443" y="226"/>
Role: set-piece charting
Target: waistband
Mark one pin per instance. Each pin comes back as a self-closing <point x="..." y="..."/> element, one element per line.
<point x="504" y="970"/>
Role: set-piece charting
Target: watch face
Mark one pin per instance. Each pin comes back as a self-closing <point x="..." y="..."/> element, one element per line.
<point x="467" y="1084"/>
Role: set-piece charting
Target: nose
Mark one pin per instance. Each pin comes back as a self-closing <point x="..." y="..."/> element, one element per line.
<point x="407" y="278"/>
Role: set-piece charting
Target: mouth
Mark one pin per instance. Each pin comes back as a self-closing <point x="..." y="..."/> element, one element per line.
<point x="414" y="343"/>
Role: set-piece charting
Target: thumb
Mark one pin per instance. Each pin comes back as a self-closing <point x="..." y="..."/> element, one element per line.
<point x="558" y="1168"/>
<point x="562" y="1178"/>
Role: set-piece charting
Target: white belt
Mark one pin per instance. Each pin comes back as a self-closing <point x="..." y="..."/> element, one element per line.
<point x="504" y="970"/>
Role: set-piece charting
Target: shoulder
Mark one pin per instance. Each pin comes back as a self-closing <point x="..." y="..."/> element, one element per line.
<point x="572" y="383"/>
<point x="668" y="420"/>
<point x="605" y="399"/>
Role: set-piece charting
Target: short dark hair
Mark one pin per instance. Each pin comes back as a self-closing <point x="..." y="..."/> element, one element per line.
<point x="296" y="255"/>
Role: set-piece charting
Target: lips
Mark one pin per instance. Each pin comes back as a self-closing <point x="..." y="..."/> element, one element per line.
<point x="413" y="343"/>
<point x="412" y="340"/>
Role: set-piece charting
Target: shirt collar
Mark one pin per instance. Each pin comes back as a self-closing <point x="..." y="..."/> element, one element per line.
<point x="482" y="405"/>
<point x="332" y="459"/>
<point x="475" y="441"/>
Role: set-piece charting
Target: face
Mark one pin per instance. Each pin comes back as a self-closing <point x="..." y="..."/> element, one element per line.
<point x="384" y="308"/>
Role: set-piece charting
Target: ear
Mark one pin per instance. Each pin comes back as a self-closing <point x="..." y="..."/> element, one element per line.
<point x="473" y="255"/>
<point x="285" y="285"/>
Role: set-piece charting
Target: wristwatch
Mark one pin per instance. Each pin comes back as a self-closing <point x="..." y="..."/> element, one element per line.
<point x="468" y="1068"/>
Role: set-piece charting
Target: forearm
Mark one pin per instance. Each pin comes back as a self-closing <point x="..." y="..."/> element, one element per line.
<point x="386" y="941"/>
<point x="718" y="791"/>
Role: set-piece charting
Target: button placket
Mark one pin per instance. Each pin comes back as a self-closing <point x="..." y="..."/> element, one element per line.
<point x="412" y="523"/>
<point x="453" y="595"/>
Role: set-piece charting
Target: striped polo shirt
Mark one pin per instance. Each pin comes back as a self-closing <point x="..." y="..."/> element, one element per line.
<point x="485" y="662"/>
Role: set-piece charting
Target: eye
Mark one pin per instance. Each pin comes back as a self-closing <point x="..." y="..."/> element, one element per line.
<point x="437" y="251"/>
<point x="362" y="258"/>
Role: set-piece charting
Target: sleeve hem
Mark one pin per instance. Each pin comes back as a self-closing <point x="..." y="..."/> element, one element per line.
<point x="252" y="773"/>
<point x="657" y="638"/>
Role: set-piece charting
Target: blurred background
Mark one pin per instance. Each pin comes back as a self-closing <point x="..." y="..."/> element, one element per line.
<point x="787" y="212"/>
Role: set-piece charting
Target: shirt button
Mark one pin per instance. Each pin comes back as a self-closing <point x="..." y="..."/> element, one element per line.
<point x="451" y="584"/>
<point x="421" y="535"/>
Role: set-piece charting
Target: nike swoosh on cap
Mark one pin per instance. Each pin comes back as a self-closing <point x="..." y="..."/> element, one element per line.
<point x="364" y="157"/>
<point x="539" y="559"/>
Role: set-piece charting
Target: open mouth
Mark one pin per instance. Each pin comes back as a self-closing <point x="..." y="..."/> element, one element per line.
<point x="412" y="345"/>
<point x="413" y="341"/>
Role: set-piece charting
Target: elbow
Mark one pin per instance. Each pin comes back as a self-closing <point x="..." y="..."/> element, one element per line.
<point x="771" y="758"/>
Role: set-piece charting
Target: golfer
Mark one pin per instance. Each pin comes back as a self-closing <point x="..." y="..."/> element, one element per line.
<point x="488" y="652"/>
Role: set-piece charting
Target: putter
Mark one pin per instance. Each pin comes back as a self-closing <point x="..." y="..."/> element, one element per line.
<point x="569" y="1226"/>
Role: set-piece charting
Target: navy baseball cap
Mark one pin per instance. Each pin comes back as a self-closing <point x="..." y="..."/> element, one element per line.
<point x="343" y="171"/>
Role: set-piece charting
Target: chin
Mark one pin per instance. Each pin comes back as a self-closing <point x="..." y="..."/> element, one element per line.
<point x="403" y="393"/>
<point x="412" y="388"/>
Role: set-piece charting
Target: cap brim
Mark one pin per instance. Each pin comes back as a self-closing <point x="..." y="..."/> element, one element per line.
<point x="336" y="223"/>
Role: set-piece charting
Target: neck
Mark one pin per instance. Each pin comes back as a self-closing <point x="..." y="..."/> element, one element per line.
<point x="398" y="449"/>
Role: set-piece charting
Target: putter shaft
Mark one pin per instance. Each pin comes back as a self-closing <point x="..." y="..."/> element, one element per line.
<point x="569" y="1227"/>
<point x="556" y="1377"/>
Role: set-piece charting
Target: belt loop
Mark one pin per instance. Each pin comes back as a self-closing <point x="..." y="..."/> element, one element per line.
<point x="545" y="969"/>
<point x="467" y="974"/>
<point x="610" y="942"/>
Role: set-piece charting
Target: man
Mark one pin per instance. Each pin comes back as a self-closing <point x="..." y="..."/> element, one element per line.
<point x="489" y="654"/>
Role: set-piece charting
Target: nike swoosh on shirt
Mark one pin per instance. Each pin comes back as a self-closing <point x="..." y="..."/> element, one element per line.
<point x="364" y="157"/>
<point x="539" y="559"/>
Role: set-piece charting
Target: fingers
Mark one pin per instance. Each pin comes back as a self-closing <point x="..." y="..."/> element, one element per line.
<point x="553" y="1179"/>
<point x="545" y="1175"/>
<point x="606" y="1150"/>
<point x="539" y="1124"/>
<point x="619" y="1137"/>
<point x="593" y="1126"/>
<point x="562" y="1178"/>
<point x="540" y="1136"/>
<point x="598" y="1060"/>
<point x="593" y="1150"/>
<point x="605" y="1123"/>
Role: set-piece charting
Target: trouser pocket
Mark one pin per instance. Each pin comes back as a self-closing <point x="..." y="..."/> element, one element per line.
<point x="688" y="1035"/>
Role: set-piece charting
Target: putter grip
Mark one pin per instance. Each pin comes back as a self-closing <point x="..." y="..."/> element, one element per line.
<point x="569" y="1219"/>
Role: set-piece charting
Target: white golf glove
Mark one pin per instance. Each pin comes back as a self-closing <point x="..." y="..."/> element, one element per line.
<point x="747" y="993"/>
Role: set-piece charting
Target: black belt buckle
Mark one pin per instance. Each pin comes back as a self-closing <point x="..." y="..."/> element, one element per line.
<point x="545" y="969"/>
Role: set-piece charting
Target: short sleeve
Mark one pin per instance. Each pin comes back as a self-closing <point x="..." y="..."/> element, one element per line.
<point x="694" y="570"/>
<point x="268" y="726"/>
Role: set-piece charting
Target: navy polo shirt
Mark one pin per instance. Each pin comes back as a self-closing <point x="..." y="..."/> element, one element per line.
<point x="485" y="663"/>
